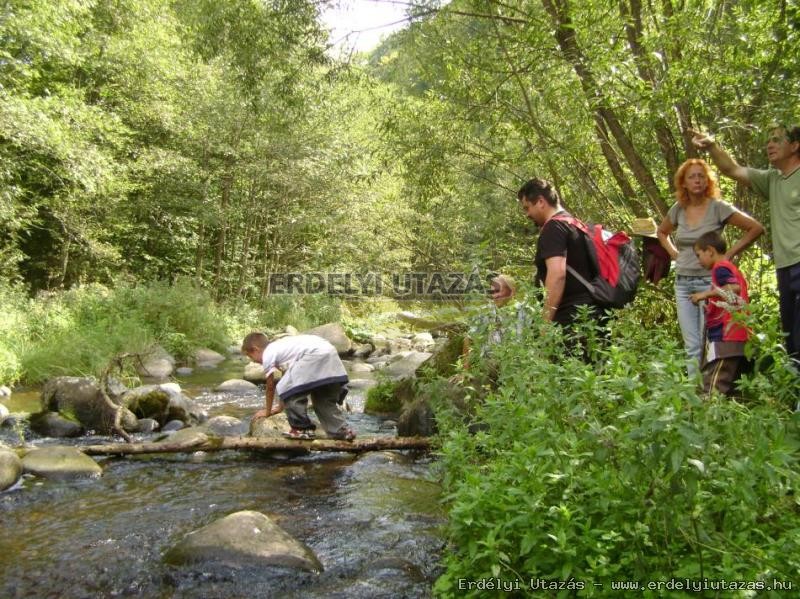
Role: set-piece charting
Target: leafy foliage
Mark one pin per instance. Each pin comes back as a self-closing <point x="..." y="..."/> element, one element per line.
<point x="618" y="469"/>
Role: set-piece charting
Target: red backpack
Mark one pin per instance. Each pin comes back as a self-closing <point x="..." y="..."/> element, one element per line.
<point x="615" y="262"/>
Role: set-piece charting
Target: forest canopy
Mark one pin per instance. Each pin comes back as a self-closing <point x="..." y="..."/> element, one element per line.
<point x="152" y="139"/>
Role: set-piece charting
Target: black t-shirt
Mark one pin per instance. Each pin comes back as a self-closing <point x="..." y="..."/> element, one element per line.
<point x="558" y="238"/>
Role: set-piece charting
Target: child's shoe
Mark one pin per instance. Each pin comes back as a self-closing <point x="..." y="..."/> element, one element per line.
<point x="300" y="434"/>
<point x="343" y="434"/>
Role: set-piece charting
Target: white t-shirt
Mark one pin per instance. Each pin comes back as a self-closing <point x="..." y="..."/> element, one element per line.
<point x="282" y="353"/>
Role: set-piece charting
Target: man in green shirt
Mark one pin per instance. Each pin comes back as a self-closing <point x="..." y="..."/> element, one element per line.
<point x="781" y="186"/>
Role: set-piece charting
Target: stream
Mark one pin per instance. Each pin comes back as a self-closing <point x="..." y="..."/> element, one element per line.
<point x="374" y="520"/>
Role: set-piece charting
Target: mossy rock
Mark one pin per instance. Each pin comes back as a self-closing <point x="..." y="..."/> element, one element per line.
<point x="154" y="403"/>
<point x="389" y="396"/>
<point x="446" y="355"/>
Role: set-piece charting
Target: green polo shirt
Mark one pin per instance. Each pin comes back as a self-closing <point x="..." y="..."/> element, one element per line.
<point x="783" y="194"/>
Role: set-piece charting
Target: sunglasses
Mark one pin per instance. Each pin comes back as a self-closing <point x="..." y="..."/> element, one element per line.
<point x="776" y="139"/>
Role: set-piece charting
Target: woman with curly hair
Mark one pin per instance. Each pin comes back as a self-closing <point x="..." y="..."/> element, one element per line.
<point x="698" y="210"/>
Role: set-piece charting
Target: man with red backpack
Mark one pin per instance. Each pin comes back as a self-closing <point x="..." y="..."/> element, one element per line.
<point x="577" y="264"/>
<point x="560" y="245"/>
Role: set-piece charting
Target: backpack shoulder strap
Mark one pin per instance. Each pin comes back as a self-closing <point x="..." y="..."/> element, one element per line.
<point x="582" y="280"/>
<point x="571" y="220"/>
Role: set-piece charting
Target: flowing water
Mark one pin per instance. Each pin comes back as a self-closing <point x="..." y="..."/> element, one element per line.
<point x="373" y="520"/>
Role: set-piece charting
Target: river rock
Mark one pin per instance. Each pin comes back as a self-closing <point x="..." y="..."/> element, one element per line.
<point x="173" y="426"/>
<point x="363" y="351"/>
<point x="5" y="392"/>
<point x="416" y="419"/>
<point x="60" y="463"/>
<point x="399" y="344"/>
<point x="271" y="428"/>
<point x="422" y="342"/>
<point x="158" y="364"/>
<point x="243" y="539"/>
<point x="192" y="435"/>
<point x="163" y="403"/>
<point x="361" y="367"/>
<point x="407" y="366"/>
<point x="382" y="360"/>
<point x="10" y="468"/>
<point x="79" y="399"/>
<point x="3" y="412"/>
<point x="147" y="425"/>
<point x="225" y="426"/>
<point x="236" y="386"/>
<point x="290" y="330"/>
<point x="184" y="371"/>
<point x="254" y="372"/>
<point x="380" y="343"/>
<point x="16" y="420"/>
<point x="207" y="358"/>
<point x="52" y="424"/>
<point x="334" y="333"/>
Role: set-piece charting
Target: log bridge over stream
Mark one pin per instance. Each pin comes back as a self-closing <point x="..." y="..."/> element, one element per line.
<point x="260" y="444"/>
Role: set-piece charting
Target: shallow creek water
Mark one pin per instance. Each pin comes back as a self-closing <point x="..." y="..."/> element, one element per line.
<point x="373" y="520"/>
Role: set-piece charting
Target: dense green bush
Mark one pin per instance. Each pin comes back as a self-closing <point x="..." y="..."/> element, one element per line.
<point x="618" y="470"/>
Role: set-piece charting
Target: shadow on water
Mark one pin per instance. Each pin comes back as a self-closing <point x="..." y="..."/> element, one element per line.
<point x="373" y="521"/>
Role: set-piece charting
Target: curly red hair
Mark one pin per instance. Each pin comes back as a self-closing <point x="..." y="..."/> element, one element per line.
<point x="712" y="191"/>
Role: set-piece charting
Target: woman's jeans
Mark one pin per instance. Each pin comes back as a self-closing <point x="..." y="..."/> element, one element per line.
<point x="691" y="318"/>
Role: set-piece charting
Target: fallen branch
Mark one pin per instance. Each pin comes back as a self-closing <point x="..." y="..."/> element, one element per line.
<point x="262" y="444"/>
<point x="118" y="408"/>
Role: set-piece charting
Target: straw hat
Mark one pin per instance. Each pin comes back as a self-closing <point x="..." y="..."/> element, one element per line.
<point x="644" y="227"/>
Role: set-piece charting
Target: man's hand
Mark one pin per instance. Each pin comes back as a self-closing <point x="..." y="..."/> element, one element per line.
<point x="276" y="409"/>
<point x="700" y="140"/>
<point x="261" y="414"/>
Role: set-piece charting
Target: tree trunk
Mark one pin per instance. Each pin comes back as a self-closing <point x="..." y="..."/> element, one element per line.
<point x="631" y="12"/>
<point x="565" y="37"/>
<point x="219" y="254"/>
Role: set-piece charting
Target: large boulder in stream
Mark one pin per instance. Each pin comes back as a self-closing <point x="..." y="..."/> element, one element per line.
<point x="400" y="396"/>
<point x="406" y="366"/>
<point x="236" y="386"/>
<point x="10" y="468"/>
<point x="80" y="400"/>
<point x="269" y="428"/>
<point x="335" y="335"/>
<point x="53" y="424"/>
<point x="60" y="463"/>
<point x="158" y="364"/>
<point x="243" y="539"/>
<point x="207" y="358"/>
<point x="254" y="372"/>
<point x="226" y="426"/>
<point x="163" y="403"/>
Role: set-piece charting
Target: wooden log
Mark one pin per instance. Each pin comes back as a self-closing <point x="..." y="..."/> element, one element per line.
<point x="261" y="444"/>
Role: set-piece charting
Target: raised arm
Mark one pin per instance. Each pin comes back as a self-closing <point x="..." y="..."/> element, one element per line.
<point x="726" y="164"/>
<point x="752" y="231"/>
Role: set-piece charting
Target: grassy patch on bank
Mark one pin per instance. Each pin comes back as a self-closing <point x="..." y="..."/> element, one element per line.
<point x="78" y="331"/>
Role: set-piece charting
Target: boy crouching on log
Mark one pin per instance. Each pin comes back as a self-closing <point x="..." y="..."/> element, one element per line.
<point x="310" y="366"/>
